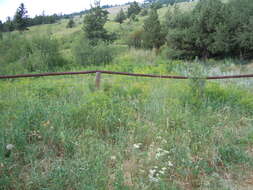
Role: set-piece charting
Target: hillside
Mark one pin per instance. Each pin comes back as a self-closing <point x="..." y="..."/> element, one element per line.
<point x="61" y="132"/>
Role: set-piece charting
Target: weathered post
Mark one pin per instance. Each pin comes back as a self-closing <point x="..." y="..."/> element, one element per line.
<point x="98" y="79"/>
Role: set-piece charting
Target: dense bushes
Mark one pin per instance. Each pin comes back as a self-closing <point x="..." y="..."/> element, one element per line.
<point x="87" y="54"/>
<point x="44" y="55"/>
<point x="19" y="54"/>
<point x="212" y="29"/>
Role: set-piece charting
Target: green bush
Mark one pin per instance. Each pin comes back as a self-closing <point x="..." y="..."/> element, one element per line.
<point x="135" y="39"/>
<point x="71" y="23"/>
<point x="44" y="55"/>
<point x="19" y="54"/>
<point x="87" y="54"/>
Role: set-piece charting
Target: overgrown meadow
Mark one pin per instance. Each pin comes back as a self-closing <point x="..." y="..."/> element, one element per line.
<point x="132" y="133"/>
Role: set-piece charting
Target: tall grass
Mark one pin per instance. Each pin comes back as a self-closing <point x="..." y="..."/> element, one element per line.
<point x="131" y="134"/>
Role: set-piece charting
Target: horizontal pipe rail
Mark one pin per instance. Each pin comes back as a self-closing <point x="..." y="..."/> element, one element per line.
<point x="122" y="73"/>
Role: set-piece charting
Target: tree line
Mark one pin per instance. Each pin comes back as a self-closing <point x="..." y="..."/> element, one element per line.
<point x="21" y="20"/>
<point x="211" y="29"/>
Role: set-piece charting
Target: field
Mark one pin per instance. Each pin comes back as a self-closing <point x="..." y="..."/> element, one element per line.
<point x="132" y="133"/>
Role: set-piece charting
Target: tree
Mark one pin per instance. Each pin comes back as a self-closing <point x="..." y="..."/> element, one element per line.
<point x="120" y="17"/>
<point x="1" y="26"/>
<point x="156" y="5"/>
<point x="94" y="22"/>
<point x="20" y="18"/>
<point x="241" y="23"/>
<point x="9" y="25"/>
<point x="71" y="23"/>
<point x="153" y="36"/>
<point x="134" y="9"/>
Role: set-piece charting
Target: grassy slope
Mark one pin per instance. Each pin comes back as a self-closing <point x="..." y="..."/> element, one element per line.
<point x="132" y="133"/>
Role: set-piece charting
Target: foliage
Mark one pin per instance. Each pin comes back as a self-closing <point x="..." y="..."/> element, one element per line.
<point x="71" y="23"/>
<point x="212" y="29"/>
<point x="1" y="26"/>
<point x="9" y="25"/>
<point x="20" y="54"/>
<point x="156" y="5"/>
<point x="87" y="54"/>
<point x="133" y="10"/>
<point x="94" y="23"/>
<point x="43" y="19"/>
<point x="44" y="55"/>
<point x="120" y="17"/>
<point x="144" y="12"/>
<point x="152" y="36"/>
<point x="20" y="18"/>
<point x="65" y="135"/>
<point x="135" y="39"/>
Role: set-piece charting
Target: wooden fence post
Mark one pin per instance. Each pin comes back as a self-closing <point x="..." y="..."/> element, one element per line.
<point x="98" y="79"/>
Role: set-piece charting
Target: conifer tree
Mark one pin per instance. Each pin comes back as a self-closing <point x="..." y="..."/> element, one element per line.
<point x="153" y="37"/>
<point x="71" y="23"/>
<point x="120" y="17"/>
<point x="20" y="18"/>
<point x="134" y="9"/>
<point x="94" y="22"/>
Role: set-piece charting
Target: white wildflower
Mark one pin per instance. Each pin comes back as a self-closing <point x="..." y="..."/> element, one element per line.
<point x="158" y="155"/>
<point x="153" y="175"/>
<point x="137" y="146"/>
<point x="164" y="168"/>
<point x="9" y="146"/>
<point x="170" y="164"/>
<point x="161" y="172"/>
<point x="113" y="157"/>
<point x="161" y="152"/>
<point x="154" y="179"/>
<point x="152" y="171"/>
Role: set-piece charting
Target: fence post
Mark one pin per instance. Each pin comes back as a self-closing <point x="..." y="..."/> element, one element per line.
<point x="98" y="79"/>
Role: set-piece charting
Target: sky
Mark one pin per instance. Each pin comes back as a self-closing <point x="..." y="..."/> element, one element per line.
<point x="36" y="7"/>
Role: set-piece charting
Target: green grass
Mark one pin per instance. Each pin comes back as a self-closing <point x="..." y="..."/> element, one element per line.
<point x="133" y="133"/>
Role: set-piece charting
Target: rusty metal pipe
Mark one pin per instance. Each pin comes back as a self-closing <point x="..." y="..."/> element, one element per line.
<point x="122" y="73"/>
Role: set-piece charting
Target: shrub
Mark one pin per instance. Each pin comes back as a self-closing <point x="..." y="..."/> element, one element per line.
<point x="19" y="54"/>
<point x="44" y="55"/>
<point x="71" y="23"/>
<point x="135" y="39"/>
<point x="13" y="51"/>
<point x="87" y="54"/>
